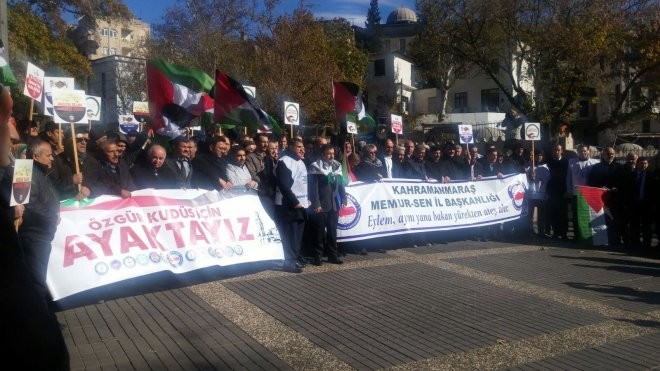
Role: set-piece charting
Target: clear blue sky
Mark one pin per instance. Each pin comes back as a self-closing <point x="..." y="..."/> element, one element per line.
<point x="151" y="11"/>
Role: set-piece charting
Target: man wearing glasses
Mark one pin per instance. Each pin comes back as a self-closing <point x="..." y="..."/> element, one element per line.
<point x="67" y="180"/>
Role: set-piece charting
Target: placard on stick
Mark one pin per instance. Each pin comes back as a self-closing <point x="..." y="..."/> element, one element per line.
<point x="465" y="134"/>
<point x="397" y="124"/>
<point x="291" y="113"/>
<point x="351" y="127"/>
<point x="533" y="131"/>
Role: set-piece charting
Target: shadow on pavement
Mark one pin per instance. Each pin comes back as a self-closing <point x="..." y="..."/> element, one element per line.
<point x="621" y="292"/>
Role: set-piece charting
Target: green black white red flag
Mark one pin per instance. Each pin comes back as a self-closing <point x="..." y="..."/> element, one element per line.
<point x="177" y="95"/>
<point x="591" y="225"/>
<point x="348" y="101"/>
<point x="234" y="106"/>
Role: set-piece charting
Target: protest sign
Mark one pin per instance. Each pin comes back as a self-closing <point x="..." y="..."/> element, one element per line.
<point x="397" y="124"/>
<point x="22" y="182"/>
<point x="93" y="108"/>
<point x="69" y="106"/>
<point x="465" y="134"/>
<point x="291" y="113"/>
<point x="34" y="82"/>
<point x="52" y="84"/>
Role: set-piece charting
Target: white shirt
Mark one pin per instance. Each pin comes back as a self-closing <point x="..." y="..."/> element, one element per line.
<point x="578" y="171"/>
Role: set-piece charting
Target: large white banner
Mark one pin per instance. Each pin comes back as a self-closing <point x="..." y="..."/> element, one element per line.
<point x="400" y="206"/>
<point x="112" y="239"/>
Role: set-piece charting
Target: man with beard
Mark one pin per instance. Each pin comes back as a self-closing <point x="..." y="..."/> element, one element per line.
<point x="371" y="158"/>
<point x="112" y="177"/>
<point x="557" y="193"/>
<point x="449" y="165"/>
<point x="180" y="162"/>
<point x="434" y="165"/>
<point x="67" y="180"/>
<point x="209" y="168"/>
<point x="152" y="173"/>
<point x="417" y="168"/>
<point x="325" y="188"/>
<point x="607" y="174"/>
<point x="291" y="202"/>
<point x="578" y="172"/>
<point x="387" y="158"/>
<point x="237" y="174"/>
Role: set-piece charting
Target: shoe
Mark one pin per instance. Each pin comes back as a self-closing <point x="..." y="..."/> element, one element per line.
<point x="335" y="260"/>
<point x="301" y="261"/>
<point x="292" y="267"/>
<point x="317" y="262"/>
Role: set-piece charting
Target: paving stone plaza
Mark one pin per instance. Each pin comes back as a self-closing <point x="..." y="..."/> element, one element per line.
<point x="462" y="305"/>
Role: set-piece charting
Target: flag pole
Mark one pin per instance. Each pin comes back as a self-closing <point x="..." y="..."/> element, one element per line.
<point x="533" y="155"/>
<point x="75" y="151"/>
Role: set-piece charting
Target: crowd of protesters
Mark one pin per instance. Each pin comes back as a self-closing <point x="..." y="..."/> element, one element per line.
<point x="300" y="183"/>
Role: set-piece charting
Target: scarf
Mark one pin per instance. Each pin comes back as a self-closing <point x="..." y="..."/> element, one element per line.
<point x="331" y="170"/>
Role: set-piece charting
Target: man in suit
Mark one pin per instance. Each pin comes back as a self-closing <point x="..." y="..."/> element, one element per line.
<point x="326" y="191"/>
<point x="180" y="162"/>
<point x="644" y="196"/>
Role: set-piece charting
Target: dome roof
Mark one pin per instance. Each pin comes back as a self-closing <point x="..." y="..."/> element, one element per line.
<point x="402" y="15"/>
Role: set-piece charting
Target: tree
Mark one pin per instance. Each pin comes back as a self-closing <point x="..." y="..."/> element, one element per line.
<point x="438" y="67"/>
<point x="30" y="40"/>
<point x="351" y="61"/>
<point x="54" y="12"/>
<point x="296" y="63"/>
<point x="373" y="15"/>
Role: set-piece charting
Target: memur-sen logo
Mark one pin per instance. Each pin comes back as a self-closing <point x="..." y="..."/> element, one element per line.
<point x="517" y="194"/>
<point x="349" y="216"/>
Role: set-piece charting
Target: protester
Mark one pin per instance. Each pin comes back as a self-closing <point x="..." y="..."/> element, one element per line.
<point x="31" y="337"/>
<point x="291" y="201"/>
<point x="210" y="168"/>
<point x="112" y="177"/>
<point x="327" y="196"/>
<point x="152" y="172"/>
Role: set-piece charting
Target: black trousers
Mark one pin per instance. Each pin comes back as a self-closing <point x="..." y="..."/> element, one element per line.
<point x="37" y="254"/>
<point x="291" y="224"/>
<point x="558" y="214"/>
<point x="324" y="233"/>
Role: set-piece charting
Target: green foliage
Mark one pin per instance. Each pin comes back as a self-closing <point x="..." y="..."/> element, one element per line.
<point x="373" y="15"/>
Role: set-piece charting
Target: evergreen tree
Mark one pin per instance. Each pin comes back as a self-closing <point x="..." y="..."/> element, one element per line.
<point x="373" y="15"/>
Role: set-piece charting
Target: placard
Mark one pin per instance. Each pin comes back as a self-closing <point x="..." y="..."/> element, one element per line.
<point x="93" y="108"/>
<point x="291" y="113"/>
<point x="397" y="124"/>
<point x="465" y="134"/>
<point x="128" y="123"/>
<point x="351" y="127"/>
<point x="52" y="84"/>
<point x="22" y="182"/>
<point x="70" y="106"/>
<point x="532" y="131"/>
<point x="34" y="82"/>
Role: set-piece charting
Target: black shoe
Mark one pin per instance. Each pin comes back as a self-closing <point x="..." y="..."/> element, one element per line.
<point x="335" y="260"/>
<point x="317" y="262"/>
<point x="301" y="261"/>
<point x="363" y="251"/>
<point x="292" y="267"/>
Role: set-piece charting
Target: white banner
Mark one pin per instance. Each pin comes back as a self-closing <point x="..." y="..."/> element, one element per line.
<point x="400" y="206"/>
<point x="112" y="239"/>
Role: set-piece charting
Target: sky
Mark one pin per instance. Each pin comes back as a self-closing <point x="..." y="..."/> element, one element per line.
<point x="151" y="11"/>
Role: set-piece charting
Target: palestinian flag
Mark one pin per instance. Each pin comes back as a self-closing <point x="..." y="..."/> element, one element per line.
<point x="6" y="75"/>
<point x="177" y="95"/>
<point x="234" y="106"/>
<point x="348" y="100"/>
<point x="591" y="215"/>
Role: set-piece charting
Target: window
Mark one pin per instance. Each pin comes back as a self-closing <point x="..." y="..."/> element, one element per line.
<point x="113" y="34"/>
<point x="113" y="51"/>
<point x="104" y="32"/>
<point x="402" y="46"/>
<point x="490" y="100"/>
<point x="460" y="101"/>
<point x="387" y="46"/>
<point x="379" y="67"/>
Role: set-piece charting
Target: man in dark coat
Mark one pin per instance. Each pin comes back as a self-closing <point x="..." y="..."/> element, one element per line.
<point x="556" y="191"/>
<point x="41" y="214"/>
<point x="180" y="162"/>
<point x="210" y="168"/>
<point x="609" y="174"/>
<point x="325" y="187"/>
<point x="153" y="173"/>
<point x="112" y="177"/>
<point x="29" y="332"/>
